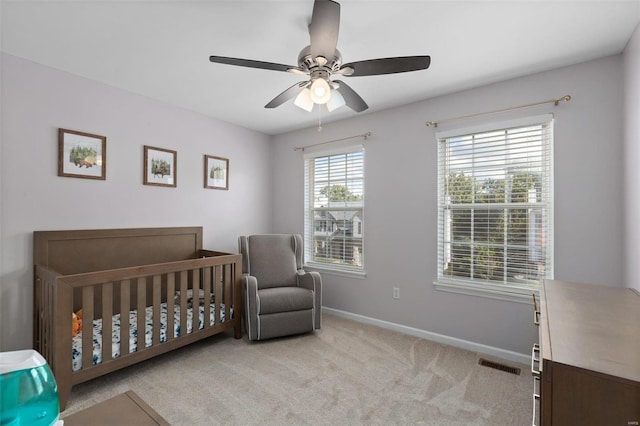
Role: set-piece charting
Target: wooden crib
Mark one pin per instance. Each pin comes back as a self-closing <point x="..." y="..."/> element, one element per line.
<point x="112" y="271"/>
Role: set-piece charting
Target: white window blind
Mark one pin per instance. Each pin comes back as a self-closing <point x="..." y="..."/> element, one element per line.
<point x="495" y="206"/>
<point x="334" y="210"/>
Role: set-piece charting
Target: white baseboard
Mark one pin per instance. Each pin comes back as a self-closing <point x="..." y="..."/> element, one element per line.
<point x="440" y="338"/>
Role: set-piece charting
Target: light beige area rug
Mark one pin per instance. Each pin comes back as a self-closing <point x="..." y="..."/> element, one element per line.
<point x="347" y="373"/>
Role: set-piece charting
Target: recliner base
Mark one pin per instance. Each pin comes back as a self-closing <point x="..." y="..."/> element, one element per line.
<point x="283" y="324"/>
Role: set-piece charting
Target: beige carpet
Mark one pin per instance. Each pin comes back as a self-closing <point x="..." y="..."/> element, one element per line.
<point x="346" y="373"/>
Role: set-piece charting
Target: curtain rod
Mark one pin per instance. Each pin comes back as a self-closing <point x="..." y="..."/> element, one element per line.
<point x="556" y="102"/>
<point x="302" y="148"/>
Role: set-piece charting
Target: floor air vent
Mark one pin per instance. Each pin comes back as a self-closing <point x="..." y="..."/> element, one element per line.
<point x="498" y="366"/>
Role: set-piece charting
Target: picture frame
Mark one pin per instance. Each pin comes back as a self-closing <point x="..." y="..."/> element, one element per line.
<point x="82" y="155"/>
<point x="160" y="167"/>
<point x="216" y="172"/>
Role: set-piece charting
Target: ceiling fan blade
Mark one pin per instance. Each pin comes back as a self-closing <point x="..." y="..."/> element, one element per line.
<point x="251" y="63"/>
<point x="351" y="98"/>
<point x="324" y="28"/>
<point x="388" y="65"/>
<point x="290" y="93"/>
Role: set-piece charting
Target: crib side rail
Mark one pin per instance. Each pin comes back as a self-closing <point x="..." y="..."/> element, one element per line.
<point x="133" y="272"/>
<point x="143" y="289"/>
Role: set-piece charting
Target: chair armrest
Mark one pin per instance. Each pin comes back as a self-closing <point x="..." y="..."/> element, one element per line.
<point x="250" y="283"/>
<point x="313" y="281"/>
<point x="309" y="280"/>
<point x="250" y="293"/>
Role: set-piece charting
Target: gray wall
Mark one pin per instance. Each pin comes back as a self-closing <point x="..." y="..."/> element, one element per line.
<point x="401" y="187"/>
<point x="37" y="100"/>
<point x="632" y="160"/>
<point x="401" y="201"/>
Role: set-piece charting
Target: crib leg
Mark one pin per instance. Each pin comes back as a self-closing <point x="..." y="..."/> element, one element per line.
<point x="64" y="392"/>
<point x="238" y="330"/>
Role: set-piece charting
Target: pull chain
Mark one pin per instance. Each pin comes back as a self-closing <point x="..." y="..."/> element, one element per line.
<point x="319" y="118"/>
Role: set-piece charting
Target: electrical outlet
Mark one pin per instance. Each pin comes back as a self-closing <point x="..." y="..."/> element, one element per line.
<point x="396" y="292"/>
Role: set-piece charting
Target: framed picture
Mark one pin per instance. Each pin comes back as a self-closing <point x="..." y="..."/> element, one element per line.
<point x="160" y="167"/>
<point x="216" y="172"/>
<point x="82" y="155"/>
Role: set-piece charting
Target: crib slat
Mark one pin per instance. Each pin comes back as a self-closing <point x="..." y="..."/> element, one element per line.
<point x="107" y="313"/>
<point x="50" y="318"/>
<point x="183" y="303"/>
<point x="49" y="331"/>
<point x="218" y="291"/>
<point x="157" y="281"/>
<point x="228" y="288"/>
<point x="171" y="291"/>
<point x="125" y="306"/>
<point x="235" y="272"/>
<point x="60" y="334"/>
<point x="41" y="315"/>
<point x="206" y="287"/>
<point x="42" y="302"/>
<point x="142" y="304"/>
<point x="37" y="301"/>
<point x="46" y="318"/>
<point x="87" y="327"/>
<point x="195" y="288"/>
<point x="228" y="279"/>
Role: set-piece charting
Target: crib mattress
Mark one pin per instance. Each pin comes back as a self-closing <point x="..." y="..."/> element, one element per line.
<point x="133" y="331"/>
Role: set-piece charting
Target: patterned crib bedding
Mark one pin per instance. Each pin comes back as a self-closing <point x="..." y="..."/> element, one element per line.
<point x="133" y="331"/>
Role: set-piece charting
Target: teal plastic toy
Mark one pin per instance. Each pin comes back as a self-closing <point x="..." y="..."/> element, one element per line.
<point x="28" y="390"/>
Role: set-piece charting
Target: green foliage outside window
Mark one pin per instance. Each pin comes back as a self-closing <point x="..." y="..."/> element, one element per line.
<point x="339" y="193"/>
<point x="490" y="238"/>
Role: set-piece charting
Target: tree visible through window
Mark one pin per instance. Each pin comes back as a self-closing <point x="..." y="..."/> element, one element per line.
<point x="334" y="203"/>
<point x="495" y="206"/>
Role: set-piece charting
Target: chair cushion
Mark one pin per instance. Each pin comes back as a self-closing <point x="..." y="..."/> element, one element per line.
<point x="283" y="299"/>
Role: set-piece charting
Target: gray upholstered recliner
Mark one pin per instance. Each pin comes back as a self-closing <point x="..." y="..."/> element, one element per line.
<point x="280" y="298"/>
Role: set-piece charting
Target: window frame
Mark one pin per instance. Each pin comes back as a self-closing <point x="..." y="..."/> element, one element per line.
<point x="472" y="286"/>
<point x="341" y="269"/>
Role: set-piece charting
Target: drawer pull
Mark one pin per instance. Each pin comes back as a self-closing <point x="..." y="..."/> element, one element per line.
<point x="536" y="310"/>
<point x="535" y="350"/>
<point x="536" y="400"/>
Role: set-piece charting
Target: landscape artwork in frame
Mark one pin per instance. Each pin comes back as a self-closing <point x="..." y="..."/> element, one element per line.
<point x="82" y="155"/>
<point x="160" y="167"/>
<point x="216" y="172"/>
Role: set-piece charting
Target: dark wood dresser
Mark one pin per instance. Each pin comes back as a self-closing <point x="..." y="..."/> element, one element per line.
<point x="587" y="365"/>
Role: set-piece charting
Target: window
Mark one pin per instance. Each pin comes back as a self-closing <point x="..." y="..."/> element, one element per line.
<point x="495" y="211"/>
<point x="334" y="207"/>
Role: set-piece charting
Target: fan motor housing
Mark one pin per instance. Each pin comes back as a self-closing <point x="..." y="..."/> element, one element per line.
<point x="311" y="64"/>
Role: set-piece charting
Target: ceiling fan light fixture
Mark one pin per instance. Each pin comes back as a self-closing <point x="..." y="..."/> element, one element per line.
<point x="322" y="61"/>
<point x="336" y="101"/>
<point x="320" y="91"/>
<point x="303" y="100"/>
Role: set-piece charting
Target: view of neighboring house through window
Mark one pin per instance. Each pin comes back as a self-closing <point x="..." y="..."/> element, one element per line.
<point x="334" y="207"/>
<point x="495" y="211"/>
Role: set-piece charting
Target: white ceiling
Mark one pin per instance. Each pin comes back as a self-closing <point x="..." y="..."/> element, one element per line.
<point x="160" y="49"/>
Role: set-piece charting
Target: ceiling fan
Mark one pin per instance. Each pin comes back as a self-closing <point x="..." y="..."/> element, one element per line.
<point x="322" y="61"/>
